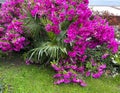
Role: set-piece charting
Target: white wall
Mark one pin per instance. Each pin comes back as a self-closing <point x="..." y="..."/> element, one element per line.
<point x="112" y="9"/>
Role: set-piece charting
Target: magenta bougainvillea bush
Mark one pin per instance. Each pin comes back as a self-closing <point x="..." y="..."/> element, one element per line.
<point x="68" y="35"/>
<point x="11" y="28"/>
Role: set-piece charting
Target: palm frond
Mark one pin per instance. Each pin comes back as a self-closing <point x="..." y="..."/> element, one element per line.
<point x="35" y="29"/>
<point x="49" y="51"/>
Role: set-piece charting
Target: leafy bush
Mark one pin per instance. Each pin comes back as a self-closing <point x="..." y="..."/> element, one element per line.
<point x="62" y="32"/>
<point x="114" y="60"/>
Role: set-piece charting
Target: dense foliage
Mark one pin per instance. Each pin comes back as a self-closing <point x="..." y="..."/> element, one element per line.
<point x="62" y="32"/>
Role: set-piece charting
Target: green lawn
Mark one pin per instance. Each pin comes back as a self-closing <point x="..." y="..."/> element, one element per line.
<point x="33" y="79"/>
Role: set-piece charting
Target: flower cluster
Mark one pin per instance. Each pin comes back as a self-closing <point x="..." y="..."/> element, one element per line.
<point x="90" y="35"/>
<point x="101" y="69"/>
<point x="58" y="11"/>
<point x="70" y="72"/>
<point x="11" y="30"/>
<point x="9" y="10"/>
<point x="12" y="39"/>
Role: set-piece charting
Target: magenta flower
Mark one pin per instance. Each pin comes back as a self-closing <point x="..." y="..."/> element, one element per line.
<point x="93" y="62"/>
<point x="57" y="75"/>
<point x="1" y="29"/>
<point x="72" y="54"/>
<point x="105" y="56"/>
<point x="83" y="58"/>
<point x="55" y="29"/>
<point x="62" y="17"/>
<point x="76" y="80"/>
<point x="97" y="75"/>
<point x="83" y="84"/>
<point x="67" y="67"/>
<point x="55" y="67"/>
<point x="66" y="81"/>
<point x="59" y="81"/>
<point x="28" y="62"/>
<point x="81" y="69"/>
<point x="74" y="67"/>
<point x="48" y="27"/>
<point x="102" y="66"/>
<point x="66" y="76"/>
<point x="88" y="73"/>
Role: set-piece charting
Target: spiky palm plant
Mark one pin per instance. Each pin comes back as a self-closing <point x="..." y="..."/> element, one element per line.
<point x="48" y="50"/>
<point x="46" y="46"/>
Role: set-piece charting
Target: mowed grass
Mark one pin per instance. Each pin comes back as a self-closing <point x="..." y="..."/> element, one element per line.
<point x="34" y="79"/>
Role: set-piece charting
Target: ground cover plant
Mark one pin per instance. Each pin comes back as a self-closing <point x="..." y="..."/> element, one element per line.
<point x="62" y="33"/>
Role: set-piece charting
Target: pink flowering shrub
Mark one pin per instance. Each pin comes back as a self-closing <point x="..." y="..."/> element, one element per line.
<point x="11" y="26"/>
<point x="63" y="32"/>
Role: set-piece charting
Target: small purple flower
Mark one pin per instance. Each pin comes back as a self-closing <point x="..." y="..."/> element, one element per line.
<point x="67" y="67"/>
<point x="83" y="84"/>
<point x="83" y="58"/>
<point x="34" y="12"/>
<point x="62" y="17"/>
<point x="72" y="54"/>
<point x="81" y="69"/>
<point x="66" y="76"/>
<point x="57" y="75"/>
<point x="66" y="81"/>
<point x="48" y="27"/>
<point x="74" y="67"/>
<point x="102" y="66"/>
<point x="88" y="73"/>
<point x="59" y="81"/>
<point x="1" y="29"/>
<point x="74" y="75"/>
<point x="55" y="67"/>
<point x="93" y="62"/>
<point x="28" y="62"/>
<point x="76" y="80"/>
<point x="55" y="29"/>
<point x="105" y="56"/>
<point x="97" y="75"/>
<point x="70" y="73"/>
